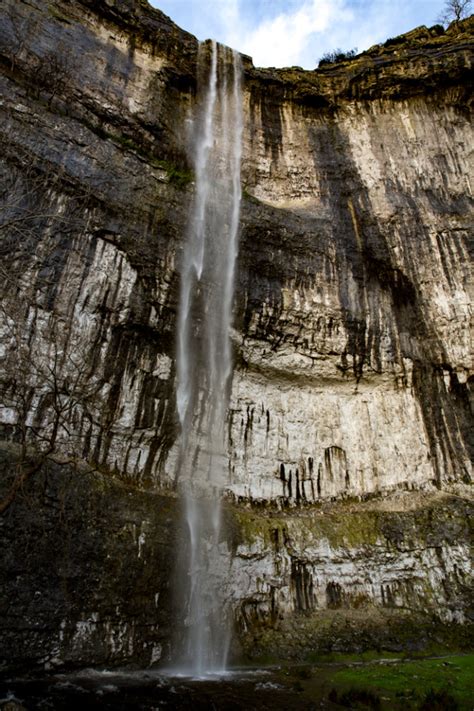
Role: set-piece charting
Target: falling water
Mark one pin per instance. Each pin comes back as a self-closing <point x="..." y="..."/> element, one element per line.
<point x="204" y="361"/>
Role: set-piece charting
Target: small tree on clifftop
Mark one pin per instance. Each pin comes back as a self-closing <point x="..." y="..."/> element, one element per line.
<point x="455" y="10"/>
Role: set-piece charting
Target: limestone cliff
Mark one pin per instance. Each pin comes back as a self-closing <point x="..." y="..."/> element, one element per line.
<point x="353" y="351"/>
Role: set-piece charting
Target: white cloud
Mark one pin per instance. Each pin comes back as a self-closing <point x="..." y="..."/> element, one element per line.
<point x="298" y="32"/>
<point x="284" y="39"/>
<point x="230" y="14"/>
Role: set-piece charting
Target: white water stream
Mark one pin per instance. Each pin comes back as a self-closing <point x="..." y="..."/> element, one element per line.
<point x="204" y="358"/>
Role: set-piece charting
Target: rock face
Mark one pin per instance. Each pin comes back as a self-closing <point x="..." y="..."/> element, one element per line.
<point x="333" y="578"/>
<point x="86" y="576"/>
<point x="353" y="353"/>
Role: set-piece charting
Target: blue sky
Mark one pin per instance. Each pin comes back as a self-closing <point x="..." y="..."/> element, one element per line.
<point x="297" y="32"/>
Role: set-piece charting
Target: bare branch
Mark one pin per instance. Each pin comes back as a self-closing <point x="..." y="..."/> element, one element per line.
<point x="45" y="362"/>
<point x="455" y="10"/>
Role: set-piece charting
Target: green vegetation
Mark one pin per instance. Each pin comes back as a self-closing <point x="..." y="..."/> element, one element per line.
<point x="417" y="684"/>
<point x="54" y="12"/>
<point x="336" y="56"/>
<point x="180" y="177"/>
<point x="353" y="529"/>
<point x="359" y="657"/>
<point x="176" y="176"/>
<point x="428" y="684"/>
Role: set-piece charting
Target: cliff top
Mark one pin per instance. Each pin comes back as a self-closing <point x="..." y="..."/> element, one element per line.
<point x="418" y="62"/>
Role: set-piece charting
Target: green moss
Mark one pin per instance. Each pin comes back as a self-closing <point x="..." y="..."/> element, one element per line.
<point x="177" y="176"/>
<point x="350" y="529"/>
<point x="125" y="142"/>
<point x="342" y="529"/>
<point x="247" y="527"/>
<point x="411" y="681"/>
<point x="180" y="177"/>
<point x="350" y="525"/>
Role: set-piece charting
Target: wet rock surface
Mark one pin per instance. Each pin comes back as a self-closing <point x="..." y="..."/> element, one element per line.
<point x="87" y="566"/>
<point x="88" y="577"/>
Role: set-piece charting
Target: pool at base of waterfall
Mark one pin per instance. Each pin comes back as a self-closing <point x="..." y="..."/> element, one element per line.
<point x="372" y="680"/>
<point x="123" y="690"/>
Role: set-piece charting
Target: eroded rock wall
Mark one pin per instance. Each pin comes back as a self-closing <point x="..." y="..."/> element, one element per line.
<point x="352" y="341"/>
<point x="87" y="567"/>
<point x="362" y="319"/>
<point x="404" y="557"/>
<point x="92" y="169"/>
<point x="89" y="576"/>
<point x="353" y="293"/>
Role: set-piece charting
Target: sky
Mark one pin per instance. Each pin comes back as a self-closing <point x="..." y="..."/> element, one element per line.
<point x="283" y="33"/>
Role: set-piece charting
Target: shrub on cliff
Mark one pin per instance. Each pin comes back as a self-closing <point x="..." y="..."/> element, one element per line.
<point x="336" y="56"/>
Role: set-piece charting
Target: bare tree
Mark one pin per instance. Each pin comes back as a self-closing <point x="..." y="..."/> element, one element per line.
<point x="27" y="214"/>
<point x="455" y="10"/>
<point x="46" y="382"/>
<point x="46" y="386"/>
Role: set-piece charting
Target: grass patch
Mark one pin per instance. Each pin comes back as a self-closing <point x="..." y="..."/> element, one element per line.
<point x="356" y="698"/>
<point x="414" y="684"/>
<point x="361" y="657"/>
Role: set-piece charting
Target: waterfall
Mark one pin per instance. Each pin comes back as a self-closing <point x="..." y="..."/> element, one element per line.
<point x="204" y="358"/>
